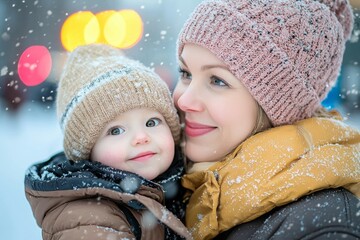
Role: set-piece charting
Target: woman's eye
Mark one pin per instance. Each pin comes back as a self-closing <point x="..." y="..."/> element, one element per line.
<point x="152" y="122"/>
<point x="218" y="81"/>
<point x="116" y="131"/>
<point x="184" y="74"/>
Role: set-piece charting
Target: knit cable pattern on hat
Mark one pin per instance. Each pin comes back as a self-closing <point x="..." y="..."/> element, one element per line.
<point x="287" y="53"/>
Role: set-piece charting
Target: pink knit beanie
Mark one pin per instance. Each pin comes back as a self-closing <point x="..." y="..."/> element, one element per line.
<point x="287" y="53"/>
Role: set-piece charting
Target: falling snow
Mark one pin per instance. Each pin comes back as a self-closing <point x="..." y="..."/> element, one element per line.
<point x="32" y="133"/>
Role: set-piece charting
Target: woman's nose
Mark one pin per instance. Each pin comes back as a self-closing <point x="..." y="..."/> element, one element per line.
<point x="189" y="99"/>
<point x="141" y="138"/>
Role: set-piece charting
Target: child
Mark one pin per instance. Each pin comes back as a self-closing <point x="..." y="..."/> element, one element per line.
<point x="266" y="161"/>
<point x="119" y="114"/>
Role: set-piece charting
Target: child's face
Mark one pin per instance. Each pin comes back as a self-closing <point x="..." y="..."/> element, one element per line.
<point x="138" y="141"/>
<point x="219" y="111"/>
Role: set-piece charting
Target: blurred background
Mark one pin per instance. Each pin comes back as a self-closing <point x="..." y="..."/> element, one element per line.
<point x="35" y="38"/>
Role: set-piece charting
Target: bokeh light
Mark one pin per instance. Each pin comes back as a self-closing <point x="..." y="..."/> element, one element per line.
<point x="34" y="65"/>
<point x="112" y="26"/>
<point x="121" y="29"/>
<point x="80" y="28"/>
<point x="134" y="28"/>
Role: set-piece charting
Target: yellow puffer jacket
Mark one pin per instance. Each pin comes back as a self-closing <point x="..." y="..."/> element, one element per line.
<point x="271" y="169"/>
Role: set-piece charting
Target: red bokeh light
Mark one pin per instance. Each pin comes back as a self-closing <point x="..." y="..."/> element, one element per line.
<point x="34" y="65"/>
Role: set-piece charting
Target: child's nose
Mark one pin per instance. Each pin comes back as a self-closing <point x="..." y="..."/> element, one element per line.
<point x="141" y="138"/>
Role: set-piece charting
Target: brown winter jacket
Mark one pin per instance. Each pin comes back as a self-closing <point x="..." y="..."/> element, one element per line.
<point x="87" y="200"/>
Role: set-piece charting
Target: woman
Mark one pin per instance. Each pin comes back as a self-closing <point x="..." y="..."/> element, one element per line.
<point x="265" y="160"/>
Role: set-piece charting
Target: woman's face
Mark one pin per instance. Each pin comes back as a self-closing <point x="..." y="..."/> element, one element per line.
<point x="218" y="111"/>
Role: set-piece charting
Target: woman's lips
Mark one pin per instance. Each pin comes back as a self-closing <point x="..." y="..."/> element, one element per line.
<point x="143" y="156"/>
<point x="193" y="129"/>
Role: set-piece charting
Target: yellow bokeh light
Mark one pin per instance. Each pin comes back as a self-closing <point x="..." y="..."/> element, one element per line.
<point x="112" y="27"/>
<point x="80" y="28"/>
<point x="133" y="28"/>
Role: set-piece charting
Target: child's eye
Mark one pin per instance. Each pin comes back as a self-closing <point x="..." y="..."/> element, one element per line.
<point x="184" y="74"/>
<point x="218" y="81"/>
<point x="152" y="122"/>
<point x="116" y="131"/>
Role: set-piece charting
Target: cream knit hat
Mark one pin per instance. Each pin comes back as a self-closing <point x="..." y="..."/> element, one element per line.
<point x="288" y="53"/>
<point x="97" y="85"/>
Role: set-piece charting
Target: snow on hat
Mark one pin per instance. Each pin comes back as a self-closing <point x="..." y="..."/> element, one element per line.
<point x="97" y="85"/>
<point x="287" y="53"/>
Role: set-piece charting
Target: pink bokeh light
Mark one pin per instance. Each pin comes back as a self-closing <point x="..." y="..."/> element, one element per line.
<point x="34" y="65"/>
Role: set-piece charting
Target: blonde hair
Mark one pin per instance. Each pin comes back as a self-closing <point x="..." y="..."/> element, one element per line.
<point x="262" y="121"/>
<point x="324" y="113"/>
<point x="320" y="112"/>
